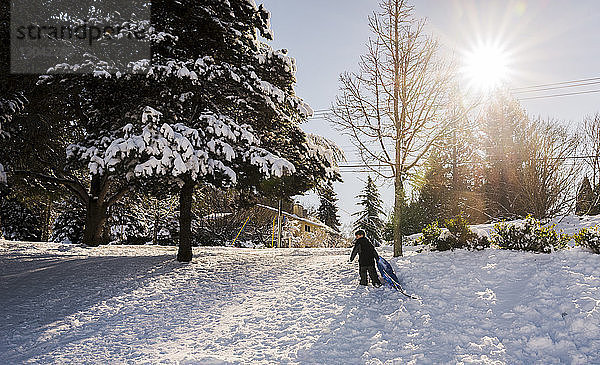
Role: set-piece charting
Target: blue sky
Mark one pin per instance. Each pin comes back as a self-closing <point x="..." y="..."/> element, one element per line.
<point x="545" y="41"/>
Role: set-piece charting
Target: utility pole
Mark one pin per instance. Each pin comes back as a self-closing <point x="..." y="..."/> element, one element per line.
<point x="279" y="225"/>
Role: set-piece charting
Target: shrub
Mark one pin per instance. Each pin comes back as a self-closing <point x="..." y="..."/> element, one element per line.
<point x="19" y="220"/>
<point x="69" y="224"/>
<point x="430" y="234"/>
<point x="589" y="238"/>
<point x="463" y="236"/>
<point x="530" y="235"/>
<point x="458" y="235"/>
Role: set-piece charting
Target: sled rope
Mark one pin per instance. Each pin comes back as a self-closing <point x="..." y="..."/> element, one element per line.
<point x="398" y="287"/>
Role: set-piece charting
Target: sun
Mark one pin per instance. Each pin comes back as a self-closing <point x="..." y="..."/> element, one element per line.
<point x="486" y="67"/>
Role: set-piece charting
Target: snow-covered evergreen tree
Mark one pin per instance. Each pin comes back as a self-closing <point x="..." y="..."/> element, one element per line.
<point x="12" y="96"/>
<point x="17" y="220"/>
<point x="586" y="200"/>
<point x="328" y="210"/>
<point x="369" y="218"/>
<point x="11" y="103"/>
<point x="218" y="106"/>
<point x="160" y="215"/>
<point x="69" y="223"/>
<point x="127" y="223"/>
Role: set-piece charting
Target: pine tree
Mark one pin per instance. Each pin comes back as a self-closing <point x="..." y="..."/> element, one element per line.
<point x="17" y="220"/>
<point x="503" y="119"/>
<point x="328" y="210"/>
<point x="68" y="225"/>
<point x="451" y="183"/>
<point x="369" y="218"/>
<point x="585" y="198"/>
<point x="12" y="88"/>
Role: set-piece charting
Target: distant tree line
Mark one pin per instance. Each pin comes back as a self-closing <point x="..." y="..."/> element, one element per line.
<point x="503" y="164"/>
<point x="500" y="165"/>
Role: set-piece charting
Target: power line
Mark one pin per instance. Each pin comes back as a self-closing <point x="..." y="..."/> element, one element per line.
<point x="322" y="113"/>
<point x="554" y="84"/>
<point x="557" y="87"/>
<point x="559" y="95"/>
<point x="358" y="166"/>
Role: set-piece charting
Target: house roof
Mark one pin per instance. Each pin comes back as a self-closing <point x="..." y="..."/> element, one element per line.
<point x="216" y="215"/>
<point x="294" y="216"/>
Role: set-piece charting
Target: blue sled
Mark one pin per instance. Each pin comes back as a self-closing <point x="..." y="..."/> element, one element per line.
<point x="388" y="274"/>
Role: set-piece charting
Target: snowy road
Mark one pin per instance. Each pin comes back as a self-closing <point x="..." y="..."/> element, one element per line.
<point x="67" y="304"/>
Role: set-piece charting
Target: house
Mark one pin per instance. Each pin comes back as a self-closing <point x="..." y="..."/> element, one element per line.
<point x="299" y="230"/>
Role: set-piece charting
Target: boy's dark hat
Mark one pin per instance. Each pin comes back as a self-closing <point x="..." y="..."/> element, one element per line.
<point x="360" y="232"/>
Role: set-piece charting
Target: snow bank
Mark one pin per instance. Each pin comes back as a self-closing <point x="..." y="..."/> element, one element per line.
<point x="134" y="304"/>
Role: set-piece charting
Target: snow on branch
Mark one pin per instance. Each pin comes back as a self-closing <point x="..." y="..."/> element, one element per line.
<point x="217" y="147"/>
<point x="326" y="152"/>
<point x="207" y="70"/>
<point x="10" y="106"/>
<point x="269" y="164"/>
<point x="267" y="55"/>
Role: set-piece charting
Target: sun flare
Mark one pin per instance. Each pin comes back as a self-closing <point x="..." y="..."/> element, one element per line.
<point x="486" y="67"/>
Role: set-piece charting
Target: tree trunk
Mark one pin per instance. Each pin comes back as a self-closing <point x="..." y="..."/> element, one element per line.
<point x="94" y="222"/>
<point x="105" y="238"/>
<point x="47" y="214"/>
<point x="184" y="253"/>
<point x="155" y="230"/>
<point x="156" y="222"/>
<point x="399" y="119"/>
<point x="398" y="205"/>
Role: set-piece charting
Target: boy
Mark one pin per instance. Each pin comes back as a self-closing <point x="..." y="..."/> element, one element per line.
<point x="366" y="258"/>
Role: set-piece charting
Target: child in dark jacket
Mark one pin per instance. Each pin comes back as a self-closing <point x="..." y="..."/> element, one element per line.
<point x="367" y="256"/>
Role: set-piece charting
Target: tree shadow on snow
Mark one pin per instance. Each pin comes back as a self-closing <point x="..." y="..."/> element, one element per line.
<point x="36" y="291"/>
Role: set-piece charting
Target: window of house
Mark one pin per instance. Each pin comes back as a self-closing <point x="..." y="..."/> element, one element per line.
<point x="306" y="228"/>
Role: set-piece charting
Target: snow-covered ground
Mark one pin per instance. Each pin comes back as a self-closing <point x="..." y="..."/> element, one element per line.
<point x="135" y="304"/>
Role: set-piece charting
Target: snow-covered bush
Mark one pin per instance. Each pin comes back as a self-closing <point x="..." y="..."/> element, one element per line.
<point x="168" y="236"/>
<point x="530" y="235"/>
<point x="127" y="230"/>
<point x="68" y="225"/>
<point x="18" y="222"/>
<point x="456" y="235"/>
<point x="589" y="238"/>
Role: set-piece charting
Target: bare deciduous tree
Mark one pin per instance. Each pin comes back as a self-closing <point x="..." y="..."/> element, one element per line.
<point x="591" y="146"/>
<point x="393" y="107"/>
<point x="590" y="149"/>
<point x="528" y="170"/>
<point x="546" y="175"/>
